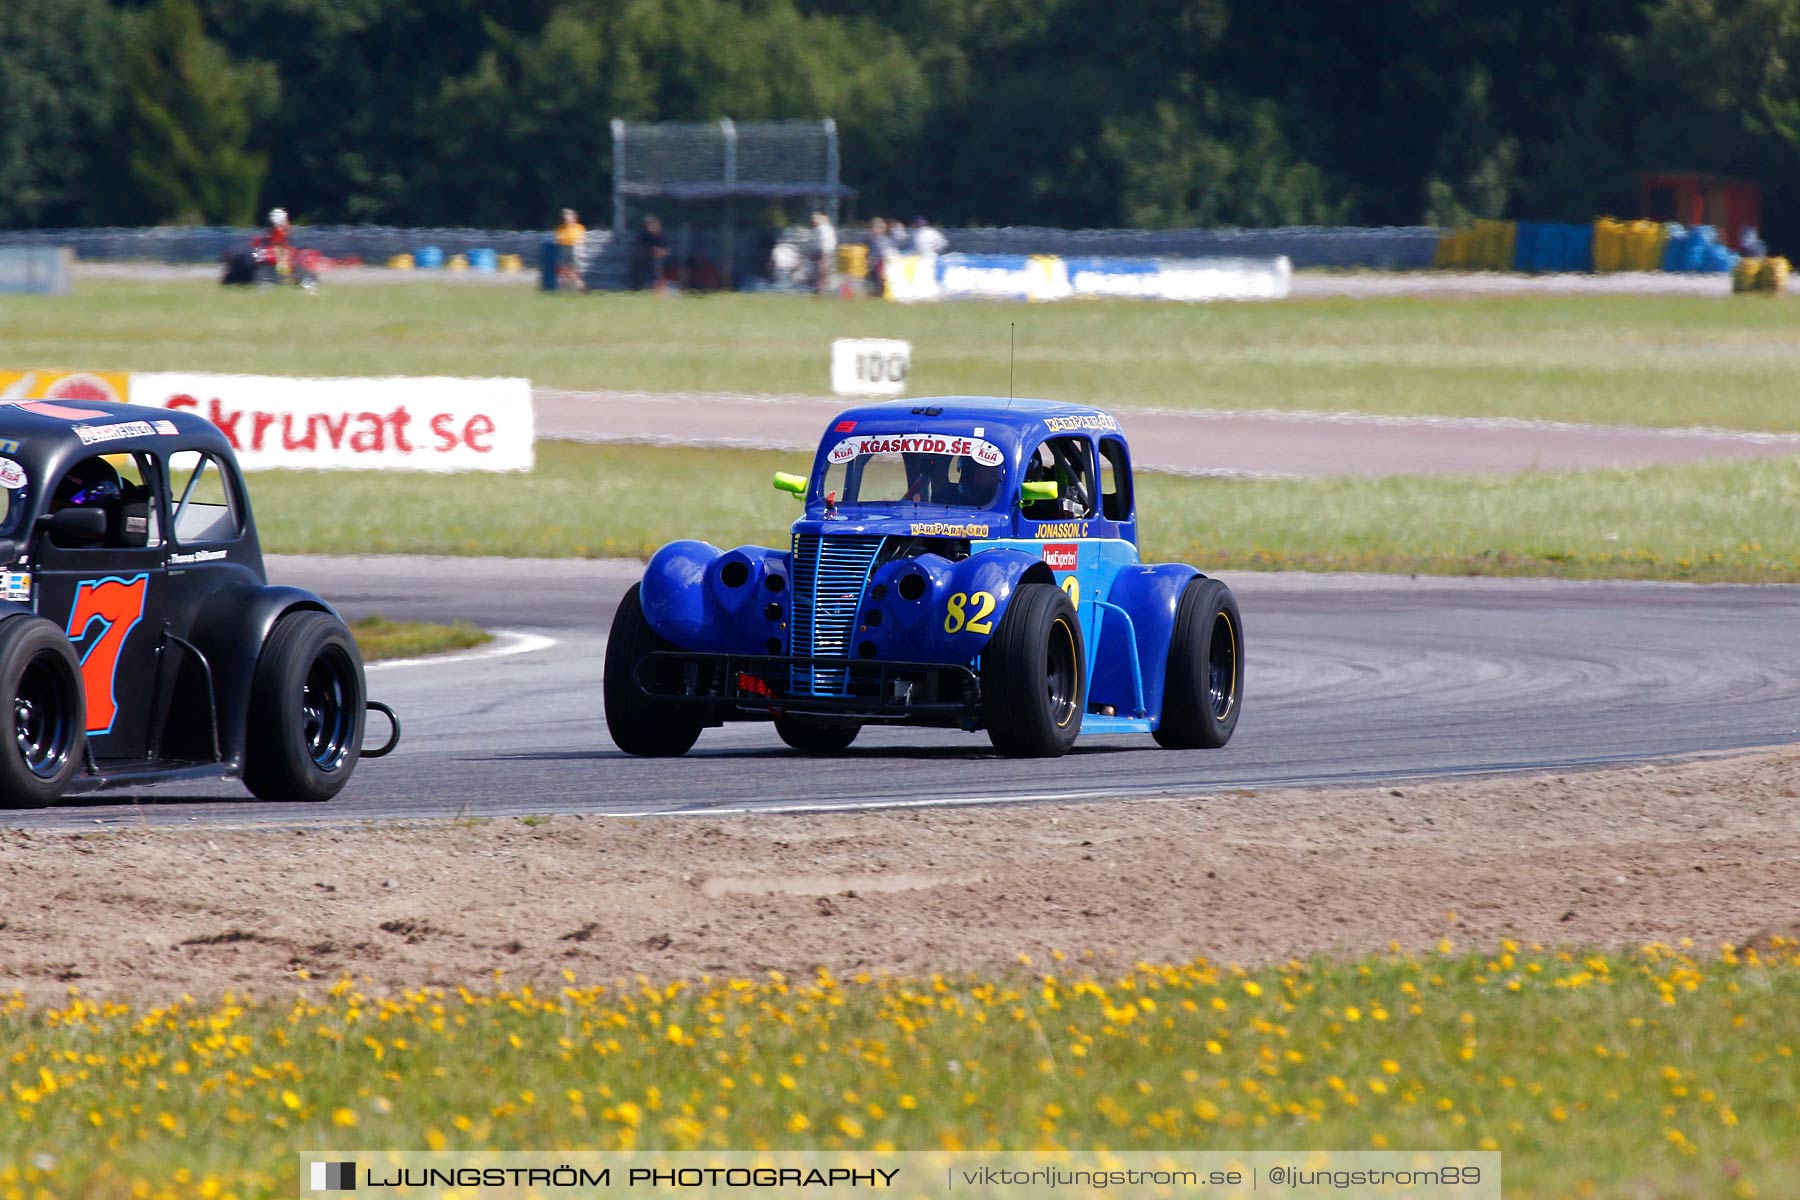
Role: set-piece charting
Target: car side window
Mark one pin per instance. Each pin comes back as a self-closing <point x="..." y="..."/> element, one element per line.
<point x="204" y="501"/>
<point x="1115" y="480"/>
<point x="1067" y="462"/>
<point x="115" y="486"/>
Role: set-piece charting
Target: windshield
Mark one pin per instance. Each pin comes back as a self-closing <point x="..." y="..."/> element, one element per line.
<point x="953" y="472"/>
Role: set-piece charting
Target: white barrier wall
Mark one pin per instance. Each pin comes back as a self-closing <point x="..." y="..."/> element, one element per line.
<point x="407" y="424"/>
<point x="1050" y="277"/>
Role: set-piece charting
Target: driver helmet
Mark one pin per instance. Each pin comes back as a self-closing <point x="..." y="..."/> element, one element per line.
<point x="979" y="482"/>
<point x="89" y="483"/>
<point x="278" y="218"/>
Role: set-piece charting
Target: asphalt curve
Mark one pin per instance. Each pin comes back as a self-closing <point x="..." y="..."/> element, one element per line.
<point x="1349" y="678"/>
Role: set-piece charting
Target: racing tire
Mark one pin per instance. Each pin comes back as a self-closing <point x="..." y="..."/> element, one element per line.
<point x="811" y="736"/>
<point x="1033" y="675"/>
<point x="307" y="707"/>
<point x="639" y="725"/>
<point x="1204" y="689"/>
<point x="46" y="729"/>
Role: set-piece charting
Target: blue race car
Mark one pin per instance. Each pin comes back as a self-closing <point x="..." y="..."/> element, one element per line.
<point x="962" y="562"/>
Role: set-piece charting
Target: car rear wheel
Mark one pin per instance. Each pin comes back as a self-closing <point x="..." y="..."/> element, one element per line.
<point x="1204" y="691"/>
<point x="306" y="710"/>
<point x="809" y="735"/>
<point x="1033" y="675"/>
<point x="46" y="725"/>
<point x="639" y="725"/>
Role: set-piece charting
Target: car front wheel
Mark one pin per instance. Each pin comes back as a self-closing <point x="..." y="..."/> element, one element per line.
<point x="45" y="723"/>
<point x="639" y="725"/>
<point x="1033" y="675"/>
<point x="1204" y="692"/>
<point x="306" y="710"/>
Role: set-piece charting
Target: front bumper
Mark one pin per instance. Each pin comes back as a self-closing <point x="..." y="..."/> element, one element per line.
<point x="875" y="689"/>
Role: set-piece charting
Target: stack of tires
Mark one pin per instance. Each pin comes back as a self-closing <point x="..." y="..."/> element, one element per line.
<point x="1767" y="276"/>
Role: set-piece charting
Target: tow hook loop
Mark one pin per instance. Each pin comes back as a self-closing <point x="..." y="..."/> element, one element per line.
<point x="393" y="740"/>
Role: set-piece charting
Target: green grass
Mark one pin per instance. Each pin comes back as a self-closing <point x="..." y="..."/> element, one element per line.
<point x="379" y="638"/>
<point x="1652" y="360"/>
<point x="1643" y="1074"/>
<point x="1710" y="522"/>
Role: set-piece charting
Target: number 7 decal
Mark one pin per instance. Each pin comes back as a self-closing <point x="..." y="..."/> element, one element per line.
<point x="118" y="604"/>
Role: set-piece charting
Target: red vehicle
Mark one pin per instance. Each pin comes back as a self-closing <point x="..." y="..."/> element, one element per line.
<point x="272" y="259"/>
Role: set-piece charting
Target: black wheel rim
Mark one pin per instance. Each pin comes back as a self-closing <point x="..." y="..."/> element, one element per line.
<point x="1221" y="666"/>
<point x="43" y="721"/>
<point x="327" y="710"/>
<point x="1062" y="674"/>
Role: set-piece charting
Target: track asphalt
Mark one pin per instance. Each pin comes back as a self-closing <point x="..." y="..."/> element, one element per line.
<point x="1348" y="679"/>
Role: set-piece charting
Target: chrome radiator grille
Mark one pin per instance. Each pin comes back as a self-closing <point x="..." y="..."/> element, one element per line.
<point x="829" y="576"/>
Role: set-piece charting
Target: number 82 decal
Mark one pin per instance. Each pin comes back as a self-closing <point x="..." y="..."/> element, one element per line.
<point x="958" y="617"/>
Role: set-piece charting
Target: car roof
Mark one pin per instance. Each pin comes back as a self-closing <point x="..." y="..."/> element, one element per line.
<point x="1020" y="417"/>
<point x="46" y="434"/>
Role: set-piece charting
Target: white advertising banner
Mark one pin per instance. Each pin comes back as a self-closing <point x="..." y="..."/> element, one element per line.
<point x="393" y="424"/>
<point x="912" y="277"/>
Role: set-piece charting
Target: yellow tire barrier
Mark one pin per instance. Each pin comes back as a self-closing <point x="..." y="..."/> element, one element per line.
<point x="1769" y="276"/>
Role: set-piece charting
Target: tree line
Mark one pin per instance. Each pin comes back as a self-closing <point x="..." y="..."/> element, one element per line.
<point x="1081" y="113"/>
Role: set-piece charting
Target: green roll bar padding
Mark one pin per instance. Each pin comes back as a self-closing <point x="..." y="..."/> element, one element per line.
<point x="1040" y="489"/>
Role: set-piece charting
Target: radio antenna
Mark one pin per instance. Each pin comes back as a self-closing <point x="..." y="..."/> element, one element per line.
<point x="1012" y="341"/>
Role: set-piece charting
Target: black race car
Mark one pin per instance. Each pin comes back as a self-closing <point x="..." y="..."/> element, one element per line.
<point x="140" y="639"/>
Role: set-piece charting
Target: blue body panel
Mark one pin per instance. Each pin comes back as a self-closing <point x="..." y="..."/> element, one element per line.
<point x="867" y="581"/>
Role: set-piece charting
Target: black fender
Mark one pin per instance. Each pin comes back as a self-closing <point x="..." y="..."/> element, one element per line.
<point x="230" y="629"/>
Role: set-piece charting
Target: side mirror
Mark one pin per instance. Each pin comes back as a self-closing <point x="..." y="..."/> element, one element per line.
<point x="1042" y="489"/>
<point x="76" y="526"/>
<point x="791" y="483"/>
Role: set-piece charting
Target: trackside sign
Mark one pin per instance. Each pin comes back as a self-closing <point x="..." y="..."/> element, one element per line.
<point x="405" y="424"/>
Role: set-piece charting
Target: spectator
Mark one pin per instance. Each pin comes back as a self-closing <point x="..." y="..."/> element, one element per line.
<point x="649" y="250"/>
<point x="927" y="240"/>
<point x="824" y="251"/>
<point x="1754" y="246"/>
<point x="276" y="242"/>
<point x="881" y="249"/>
<point x="570" y="234"/>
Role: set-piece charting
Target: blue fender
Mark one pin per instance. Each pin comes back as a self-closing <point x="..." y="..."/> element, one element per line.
<point x="705" y="599"/>
<point x="930" y="609"/>
<point x="1149" y="595"/>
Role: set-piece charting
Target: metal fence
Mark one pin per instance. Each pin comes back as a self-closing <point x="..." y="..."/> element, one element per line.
<point x="1392" y="248"/>
<point x="374" y="244"/>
